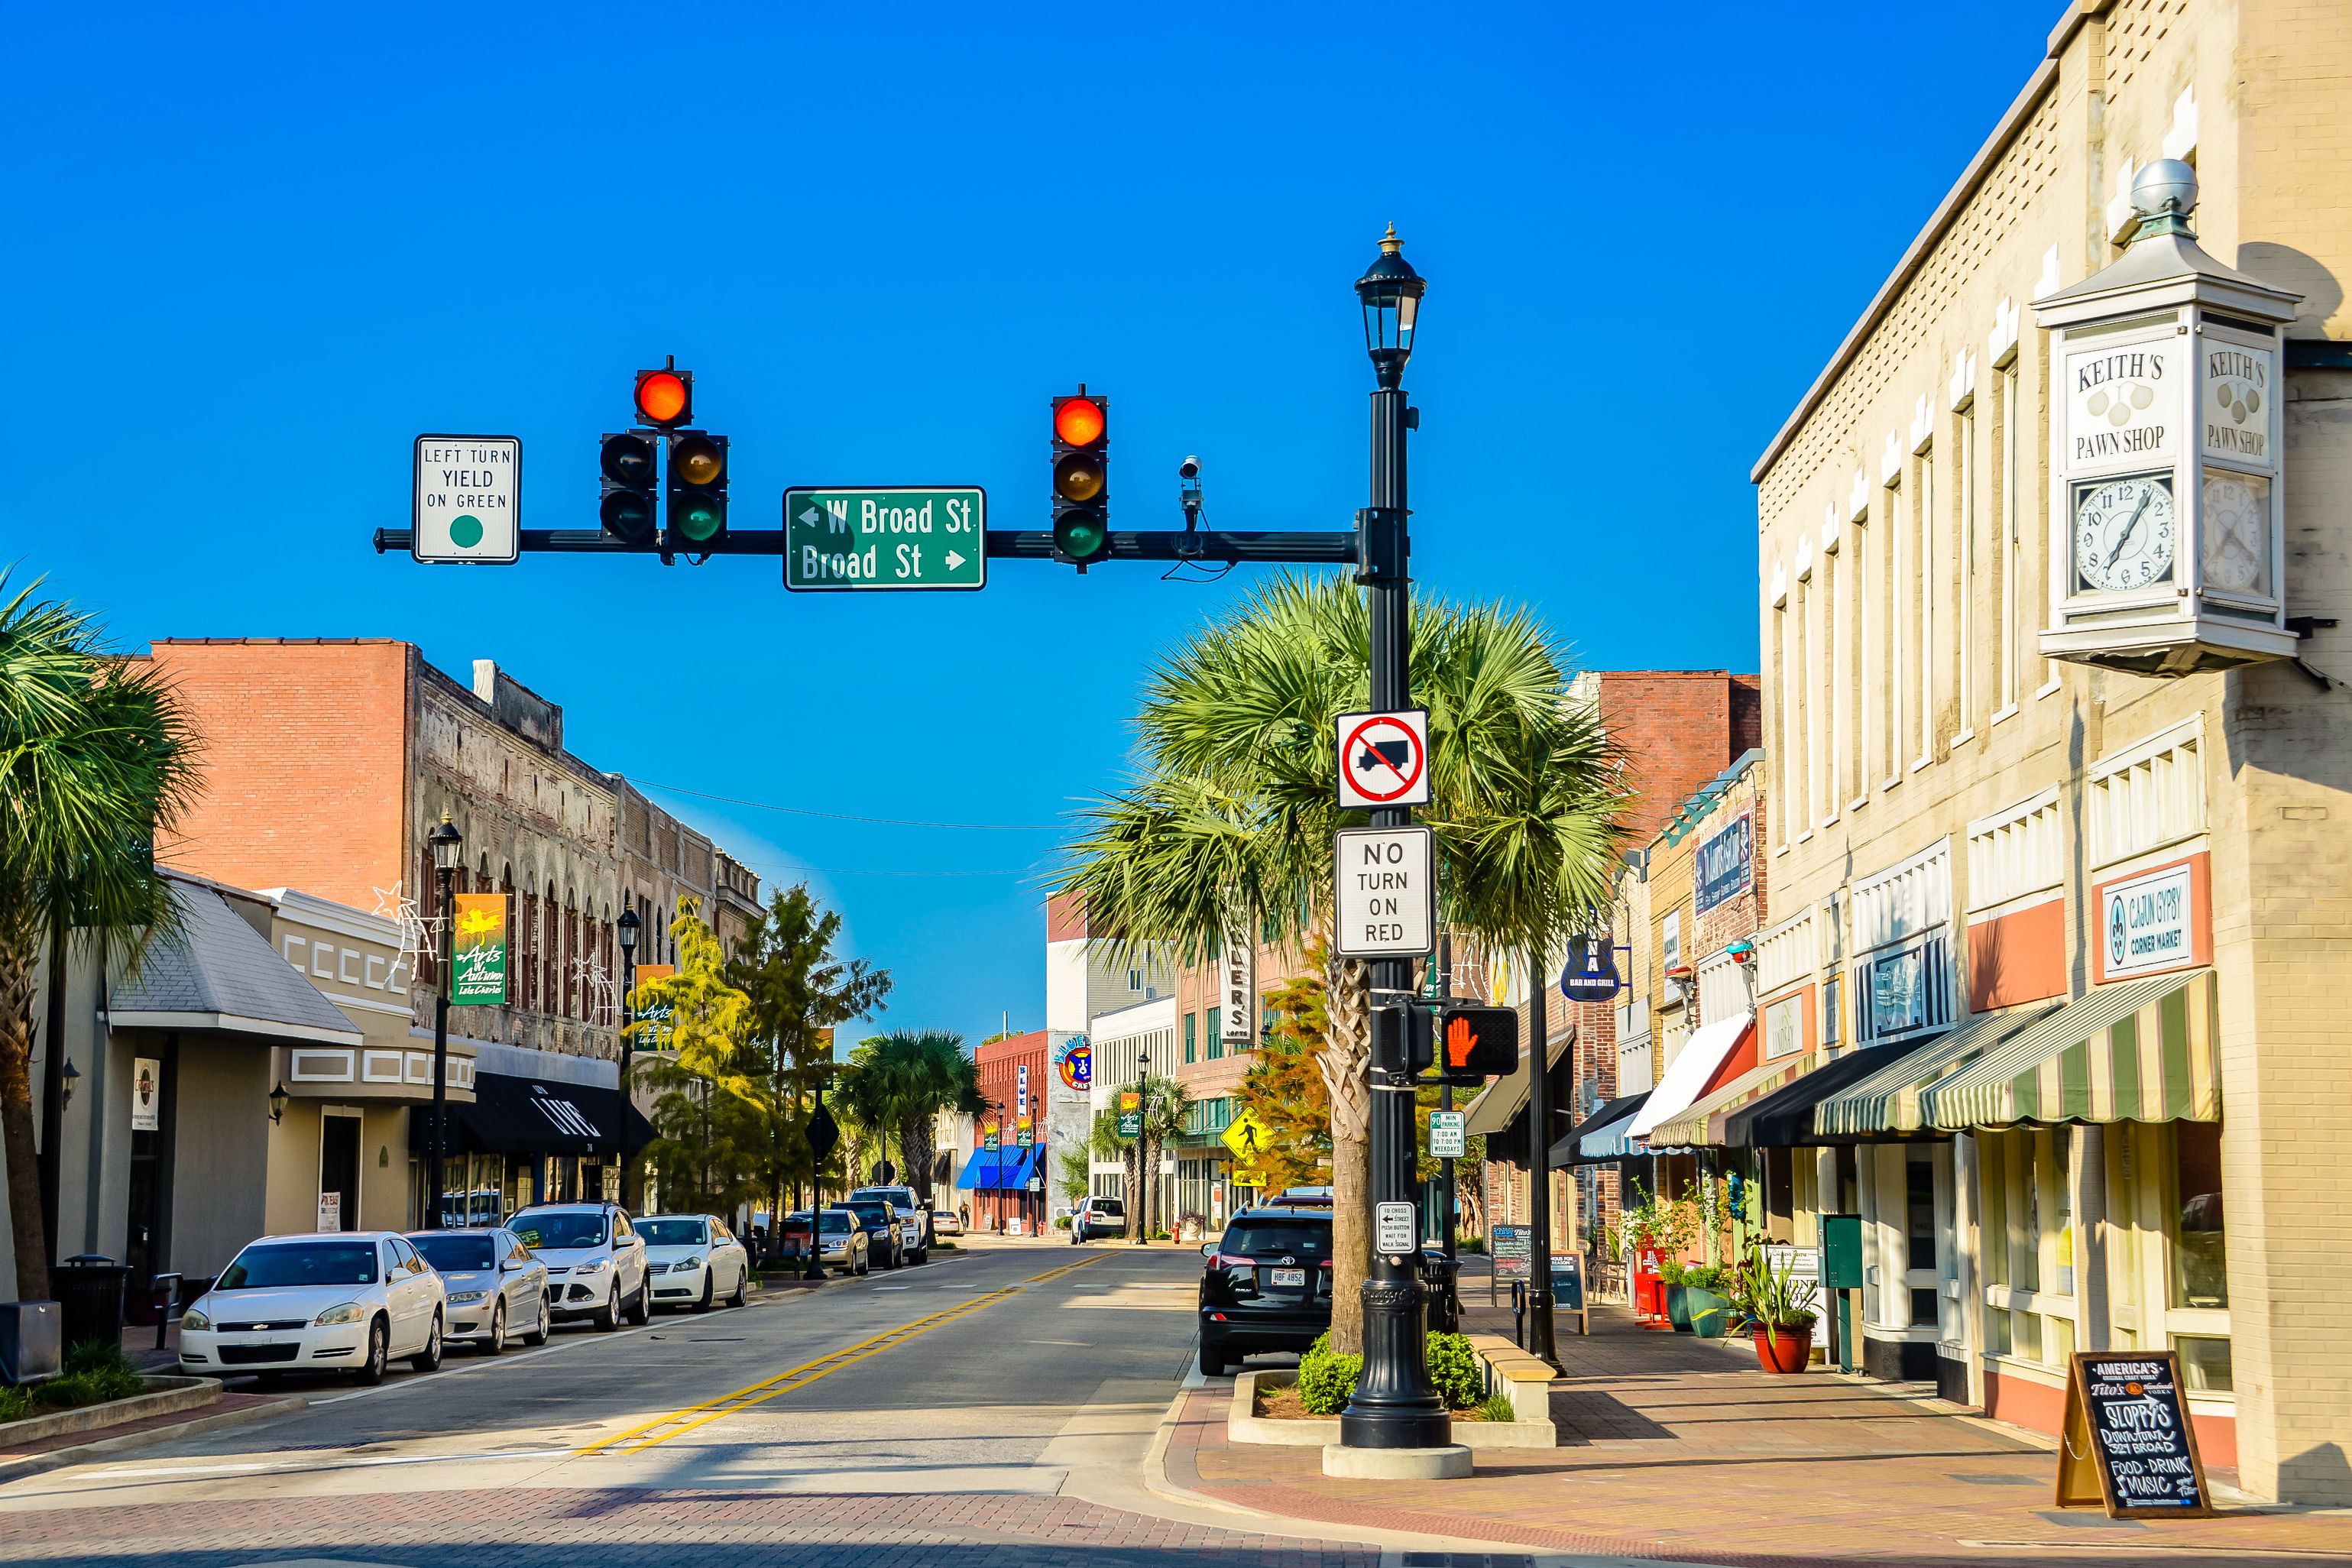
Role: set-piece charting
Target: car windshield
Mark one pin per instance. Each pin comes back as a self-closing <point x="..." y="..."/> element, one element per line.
<point x="870" y="1212"/>
<point x="458" y="1254"/>
<point x="561" y="1228"/>
<point x="834" y="1221"/>
<point x="1253" y="1237"/>
<point x="671" y="1232"/>
<point x="300" y="1263"/>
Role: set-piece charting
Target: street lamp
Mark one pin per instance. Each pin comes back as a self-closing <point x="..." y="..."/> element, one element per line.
<point x="1395" y="1405"/>
<point x="624" y="930"/>
<point x="446" y="842"/>
<point x="1145" y="1177"/>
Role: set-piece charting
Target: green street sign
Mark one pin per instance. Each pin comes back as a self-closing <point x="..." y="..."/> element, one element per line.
<point x="1130" y="1126"/>
<point x="885" y="536"/>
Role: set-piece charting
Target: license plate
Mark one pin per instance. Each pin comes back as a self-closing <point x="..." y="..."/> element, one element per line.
<point x="1289" y="1277"/>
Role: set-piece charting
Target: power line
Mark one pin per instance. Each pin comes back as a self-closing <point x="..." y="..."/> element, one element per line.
<point x="879" y="821"/>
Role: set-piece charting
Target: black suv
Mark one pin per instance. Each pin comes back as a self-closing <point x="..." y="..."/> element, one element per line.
<point x="1267" y="1286"/>
<point x="880" y="1218"/>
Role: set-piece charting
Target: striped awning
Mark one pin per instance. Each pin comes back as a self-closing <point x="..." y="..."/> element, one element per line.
<point x="1887" y="1100"/>
<point x="1703" y="1122"/>
<point x="2146" y="1050"/>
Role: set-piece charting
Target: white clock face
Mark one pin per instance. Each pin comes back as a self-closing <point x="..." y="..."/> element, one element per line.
<point x="2237" y="554"/>
<point x="2125" y="531"/>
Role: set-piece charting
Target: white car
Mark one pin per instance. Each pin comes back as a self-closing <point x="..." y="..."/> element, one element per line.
<point x="498" y="1291"/>
<point x="595" y="1261"/>
<point x="914" y="1218"/>
<point x="946" y="1222"/>
<point x="693" y="1259"/>
<point x="347" y="1301"/>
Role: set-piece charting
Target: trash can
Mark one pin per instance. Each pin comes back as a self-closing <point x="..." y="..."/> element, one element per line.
<point x="88" y="1289"/>
<point x="1437" y="1284"/>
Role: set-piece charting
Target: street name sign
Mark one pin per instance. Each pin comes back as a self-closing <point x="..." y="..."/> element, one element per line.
<point x="846" y="539"/>
<point x="467" y="501"/>
<point x="1387" y="891"/>
<point x="1395" y="1229"/>
<point x="1383" y="759"/>
<point x="1445" y="1140"/>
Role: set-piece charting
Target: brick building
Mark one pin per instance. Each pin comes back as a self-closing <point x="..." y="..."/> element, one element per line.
<point x="995" y="1181"/>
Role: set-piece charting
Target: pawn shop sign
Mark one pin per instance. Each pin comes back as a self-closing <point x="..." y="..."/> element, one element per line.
<point x="1383" y="759"/>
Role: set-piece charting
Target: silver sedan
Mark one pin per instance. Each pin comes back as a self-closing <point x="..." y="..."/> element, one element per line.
<point x="497" y="1287"/>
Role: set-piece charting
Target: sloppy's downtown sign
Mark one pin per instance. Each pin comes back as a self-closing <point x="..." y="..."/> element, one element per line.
<point x="2155" y="921"/>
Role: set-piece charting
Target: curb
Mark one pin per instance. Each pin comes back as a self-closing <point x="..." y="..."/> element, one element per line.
<point x="59" y="1459"/>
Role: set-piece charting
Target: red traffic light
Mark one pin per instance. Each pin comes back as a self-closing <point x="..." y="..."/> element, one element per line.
<point x="1078" y="421"/>
<point x="665" y="397"/>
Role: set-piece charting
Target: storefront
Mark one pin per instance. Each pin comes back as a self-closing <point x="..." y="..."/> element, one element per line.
<point x="1005" y="1189"/>
<point x="541" y="1128"/>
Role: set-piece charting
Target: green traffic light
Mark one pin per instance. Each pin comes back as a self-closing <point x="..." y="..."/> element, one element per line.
<point x="1081" y="535"/>
<point x="699" y="520"/>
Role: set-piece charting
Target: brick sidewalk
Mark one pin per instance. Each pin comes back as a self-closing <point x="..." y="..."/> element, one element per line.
<point x="1676" y="1449"/>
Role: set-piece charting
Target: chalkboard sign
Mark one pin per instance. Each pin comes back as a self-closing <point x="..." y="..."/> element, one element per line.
<point x="1508" y="1246"/>
<point x="2128" y="1441"/>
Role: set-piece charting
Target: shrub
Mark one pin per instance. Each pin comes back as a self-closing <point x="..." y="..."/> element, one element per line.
<point x="95" y="1372"/>
<point x="1327" y="1380"/>
<point x="1497" y="1407"/>
<point x="15" y="1404"/>
<point x="1453" y="1367"/>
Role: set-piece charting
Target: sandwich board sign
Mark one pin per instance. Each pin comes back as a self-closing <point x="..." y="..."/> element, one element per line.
<point x="1383" y="759"/>
<point x="2128" y="1442"/>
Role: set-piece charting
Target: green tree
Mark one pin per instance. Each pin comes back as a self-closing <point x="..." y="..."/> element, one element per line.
<point x="713" y="1098"/>
<point x="896" y="1083"/>
<point x="1235" y="811"/>
<point x="96" y="761"/>
<point x="1284" y="1090"/>
<point x="1166" y="1106"/>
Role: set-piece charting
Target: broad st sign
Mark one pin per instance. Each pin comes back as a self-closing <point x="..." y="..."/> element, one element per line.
<point x="885" y="537"/>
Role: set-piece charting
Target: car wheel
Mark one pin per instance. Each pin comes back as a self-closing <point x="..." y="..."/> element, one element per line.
<point x="704" y="1305"/>
<point x="379" y="1352"/>
<point x="538" y="1336"/>
<point x="608" y="1316"/>
<point x="497" y="1341"/>
<point x="743" y="1289"/>
<point x="429" y="1358"/>
<point x="1212" y="1363"/>
<point x="642" y="1312"/>
<point x="864" y="1263"/>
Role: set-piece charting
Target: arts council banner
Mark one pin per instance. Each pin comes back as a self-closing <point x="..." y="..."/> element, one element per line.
<point x="477" y="972"/>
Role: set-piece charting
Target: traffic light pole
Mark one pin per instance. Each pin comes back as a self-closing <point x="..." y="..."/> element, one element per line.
<point x="1395" y="1405"/>
<point x="1309" y="549"/>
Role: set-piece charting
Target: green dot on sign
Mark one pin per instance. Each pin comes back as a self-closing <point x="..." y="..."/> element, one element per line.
<point x="465" y="530"/>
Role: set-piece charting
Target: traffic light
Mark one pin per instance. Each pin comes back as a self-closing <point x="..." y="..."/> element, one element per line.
<point x="1400" y="1037"/>
<point x="1478" y="1043"/>
<point x="698" y="488"/>
<point x="665" y="396"/>
<point x="1081" y="479"/>
<point x="626" y="460"/>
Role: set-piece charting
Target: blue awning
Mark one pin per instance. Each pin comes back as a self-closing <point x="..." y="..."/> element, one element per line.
<point x="999" y="1170"/>
<point x="981" y="1171"/>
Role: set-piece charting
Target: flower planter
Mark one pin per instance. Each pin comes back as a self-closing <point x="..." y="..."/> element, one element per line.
<point x="1786" y="1350"/>
<point x="1678" y="1307"/>
<point x="1709" y="1313"/>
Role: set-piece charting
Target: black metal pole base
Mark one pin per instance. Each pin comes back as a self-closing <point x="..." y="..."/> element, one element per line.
<point x="1395" y="1405"/>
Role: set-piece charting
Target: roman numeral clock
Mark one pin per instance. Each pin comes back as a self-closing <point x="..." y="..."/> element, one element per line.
<point x="2166" y="429"/>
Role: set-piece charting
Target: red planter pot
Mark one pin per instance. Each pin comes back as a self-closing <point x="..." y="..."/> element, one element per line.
<point x="1791" y="1354"/>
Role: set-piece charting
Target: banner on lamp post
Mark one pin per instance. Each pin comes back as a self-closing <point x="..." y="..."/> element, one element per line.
<point x="477" y="966"/>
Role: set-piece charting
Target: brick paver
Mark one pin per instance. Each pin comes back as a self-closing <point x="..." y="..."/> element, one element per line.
<point x="1675" y="1448"/>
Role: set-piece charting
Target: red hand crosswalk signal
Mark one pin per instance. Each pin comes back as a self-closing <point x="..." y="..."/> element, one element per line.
<point x="1081" y="454"/>
<point x="1476" y="1044"/>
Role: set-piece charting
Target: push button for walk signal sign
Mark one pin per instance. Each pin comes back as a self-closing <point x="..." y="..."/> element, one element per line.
<point x="1383" y="759"/>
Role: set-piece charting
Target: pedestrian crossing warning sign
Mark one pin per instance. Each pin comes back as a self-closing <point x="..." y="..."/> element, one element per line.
<point x="1246" y="1137"/>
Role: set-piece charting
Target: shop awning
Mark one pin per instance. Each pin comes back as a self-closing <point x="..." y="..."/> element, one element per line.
<point x="1609" y="1141"/>
<point x="2145" y="1050"/>
<point x="1885" y="1101"/>
<point x="1784" y="1117"/>
<point x="1500" y="1105"/>
<point x="1703" y="1123"/>
<point x="1621" y="1108"/>
<point x="998" y="1170"/>
<point x="524" y="1116"/>
<point x="217" y="974"/>
<point x="1686" y="1076"/>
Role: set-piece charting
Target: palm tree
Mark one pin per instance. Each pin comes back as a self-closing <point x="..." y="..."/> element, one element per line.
<point x="1167" y="1105"/>
<point x="1233" y="814"/>
<point x="897" y="1082"/>
<point x="96" y="759"/>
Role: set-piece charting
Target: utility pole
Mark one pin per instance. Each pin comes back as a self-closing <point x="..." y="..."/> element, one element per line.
<point x="1540" y="1342"/>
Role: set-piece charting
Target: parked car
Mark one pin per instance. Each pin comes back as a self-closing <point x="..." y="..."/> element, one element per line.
<point x="693" y="1259"/>
<point x="846" y="1244"/>
<point x="1267" y="1285"/>
<point x="946" y="1222"/>
<point x="1098" y="1216"/>
<point x="595" y="1261"/>
<point x="885" y="1235"/>
<point x="914" y="1215"/>
<point x="1301" y="1198"/>
<point x="496" y="1288"/>
<point x="348" y="1301"/>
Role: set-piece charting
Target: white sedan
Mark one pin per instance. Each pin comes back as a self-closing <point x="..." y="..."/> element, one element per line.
<point x="693" y="1259"/>
<point x="348" y="1301"/>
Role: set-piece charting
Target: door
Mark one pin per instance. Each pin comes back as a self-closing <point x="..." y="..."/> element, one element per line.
<point x="339" y="1172"/>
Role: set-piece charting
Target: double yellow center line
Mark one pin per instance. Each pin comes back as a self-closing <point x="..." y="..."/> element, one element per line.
<point x="678" y="1423"/>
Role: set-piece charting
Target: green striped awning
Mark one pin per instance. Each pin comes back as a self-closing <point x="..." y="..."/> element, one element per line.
<point x="1703" y="1122"/>
<point x="2145" y="1050"/>
<point x="1887" y="1101"/>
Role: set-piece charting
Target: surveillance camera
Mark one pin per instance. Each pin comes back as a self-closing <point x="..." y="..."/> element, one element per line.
<point x="1189" y="469"/>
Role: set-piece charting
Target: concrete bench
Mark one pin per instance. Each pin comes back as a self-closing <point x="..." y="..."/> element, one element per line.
<point x="1524" y="1379"/>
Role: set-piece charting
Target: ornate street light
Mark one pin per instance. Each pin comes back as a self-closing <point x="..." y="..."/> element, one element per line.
<point x="446" y="844"/>
<point x="1391" y="292"/>
<point x="624" y="930"/>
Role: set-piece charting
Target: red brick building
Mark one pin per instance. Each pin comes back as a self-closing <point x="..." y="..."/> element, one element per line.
<point x="1013" y="1081"/>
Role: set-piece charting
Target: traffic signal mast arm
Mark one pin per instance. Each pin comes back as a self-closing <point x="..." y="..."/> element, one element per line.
<point x="1326" y="548"/>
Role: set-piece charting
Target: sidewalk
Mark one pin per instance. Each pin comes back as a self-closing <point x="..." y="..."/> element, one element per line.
<point x="1681" y="1448"/>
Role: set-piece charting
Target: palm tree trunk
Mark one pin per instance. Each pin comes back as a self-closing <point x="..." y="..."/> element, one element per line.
<point x="31" y="1238"/>
<point x="1347" y="1049"/>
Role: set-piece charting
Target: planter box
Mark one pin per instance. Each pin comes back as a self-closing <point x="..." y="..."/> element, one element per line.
<point x="1243" y="1424"/>
<point x="164" y="1397"/>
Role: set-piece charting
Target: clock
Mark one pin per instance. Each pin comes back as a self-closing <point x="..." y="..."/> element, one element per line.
<point x="2125" y="531"/>
<point x="2236" y="557"/>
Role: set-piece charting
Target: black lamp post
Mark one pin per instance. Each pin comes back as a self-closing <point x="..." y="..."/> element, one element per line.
<point x="1395" y="1405"/>
<point x="446" y="842"/>
<point x="824" y="1133"/>
<point x="626" y="931"/>
<point x="1145" y="1177"/>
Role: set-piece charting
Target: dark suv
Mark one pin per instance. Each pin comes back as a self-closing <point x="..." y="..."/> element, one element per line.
<point x="1267" y="1285"/>
<point x="883" y="1233"/>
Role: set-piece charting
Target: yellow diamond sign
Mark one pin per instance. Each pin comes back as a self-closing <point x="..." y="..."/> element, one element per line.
<point x="1245" y="1136"/>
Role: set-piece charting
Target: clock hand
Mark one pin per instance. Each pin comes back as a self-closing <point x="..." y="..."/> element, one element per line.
<point x="2125" y="538"/>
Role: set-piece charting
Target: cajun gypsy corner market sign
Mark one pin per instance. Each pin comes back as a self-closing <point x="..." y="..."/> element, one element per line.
<point x="2152" y="922"/>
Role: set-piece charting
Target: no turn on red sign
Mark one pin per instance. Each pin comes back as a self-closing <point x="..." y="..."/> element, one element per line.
<point x="1383" y="759"/>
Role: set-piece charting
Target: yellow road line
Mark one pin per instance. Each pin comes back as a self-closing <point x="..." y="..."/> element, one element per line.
<point x="678" y="1423"/>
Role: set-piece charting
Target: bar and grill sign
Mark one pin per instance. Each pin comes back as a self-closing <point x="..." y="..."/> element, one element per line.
<point x="477" y="968"/>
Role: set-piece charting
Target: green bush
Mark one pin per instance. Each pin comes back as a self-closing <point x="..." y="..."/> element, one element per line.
<point x="95" y="1372"/>
<point x="15" y="1404"/>
<point x="1497" y="1407"/>
<point x="1453" y="1367"/>
<point x="1327" y="1380"/>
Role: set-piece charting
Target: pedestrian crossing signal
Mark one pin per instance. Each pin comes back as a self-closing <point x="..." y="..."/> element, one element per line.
<point x="1478" y="1043"/>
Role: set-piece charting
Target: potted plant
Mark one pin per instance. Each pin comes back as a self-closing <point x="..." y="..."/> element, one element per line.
<point x="1782" y="1307"/>
<point x="1672" y="1273"/>
<point x="1706" y="1302"/>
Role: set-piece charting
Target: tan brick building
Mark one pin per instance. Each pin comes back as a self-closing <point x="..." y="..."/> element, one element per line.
<point x="2088" y="926"/>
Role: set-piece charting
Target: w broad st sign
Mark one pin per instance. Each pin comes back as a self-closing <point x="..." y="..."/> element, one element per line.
<point x="885" y="536"/>
<point x="1386" y="892"/>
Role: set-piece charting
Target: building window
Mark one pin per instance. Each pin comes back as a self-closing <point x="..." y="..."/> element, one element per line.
<point x="2204" y="1362"/>
<point x="1783" y="720"/>
<point x="1831" y="754"/>
<point x="1967" y="606"/>
<point x="1830" y="987"/>
<point x="2148" y="796"/>
<point x="1897" y="560"/>
<point x="1857" y="637"/>
<point x="2199" y="1276"/>
<point x="2012" y="537"/>
<point x="1926" y="572"/>
<point x="1216" y="1037"/>
<point x="1190" y="1021"/>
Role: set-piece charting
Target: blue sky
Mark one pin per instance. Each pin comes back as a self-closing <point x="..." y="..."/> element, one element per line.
<point x="255" y="251"/>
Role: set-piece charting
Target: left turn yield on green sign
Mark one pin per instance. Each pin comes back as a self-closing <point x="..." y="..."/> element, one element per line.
<point x="467" y="499"/>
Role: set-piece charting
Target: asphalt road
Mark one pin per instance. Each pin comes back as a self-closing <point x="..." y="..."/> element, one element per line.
<point x="938" y="1414"/>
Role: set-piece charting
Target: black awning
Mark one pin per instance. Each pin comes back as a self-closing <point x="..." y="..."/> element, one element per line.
<point x="525" y="1116"/>
<point x="1784" y="1117"/>
<point x="1563" y="1152"/>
